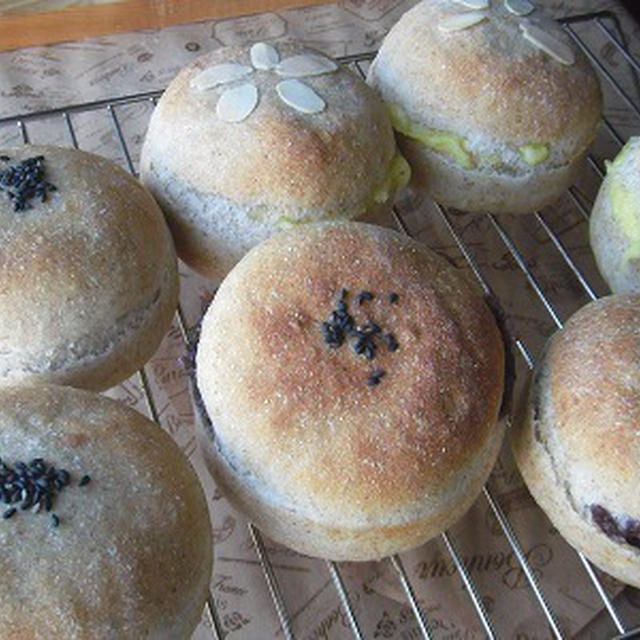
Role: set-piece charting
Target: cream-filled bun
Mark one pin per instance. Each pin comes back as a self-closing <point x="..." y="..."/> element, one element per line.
<point x="577" y="442"/>
<point x="105" y="531"/>
<point x="248" y="141"/>
<point x="494" y="107"/>
<point x="614" y="226"/>
<point x="88" y="272"/>
<point x="353" y="379"/>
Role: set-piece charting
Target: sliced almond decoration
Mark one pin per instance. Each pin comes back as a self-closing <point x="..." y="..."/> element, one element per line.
<point x="305" y="65"/>
<point x="220" y="74"/>
<point x="461" y="21"/>
<point x="300" y="97"/>
<point x="557" y="49"/>
<point x="237" y="103"/>
<point x="473" y="4"/>
<point x="519" y="7"/>
<point x="264" y="56"/>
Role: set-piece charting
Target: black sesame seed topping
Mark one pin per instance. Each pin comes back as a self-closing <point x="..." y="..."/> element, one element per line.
<point x="375" y="377"/>
<point x="364" y="296"/>
<point x="25" y="181"/>
<point x="390" y="341"/>
<point x="32" y="487"/>
<point x="84" y="481"/>
<point x="371" y="328"/>
<point x="341" y="326"/>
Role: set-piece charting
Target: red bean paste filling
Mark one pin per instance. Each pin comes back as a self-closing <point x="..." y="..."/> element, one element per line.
<point x="614" y="529"/>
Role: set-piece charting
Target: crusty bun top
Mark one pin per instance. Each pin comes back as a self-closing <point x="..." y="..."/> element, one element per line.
<point x="309" y="420"/>
<point x="94" y="252"/>
<point x="130" y="553"/>
<point x="594" y="369"/>
<point x="277" y="155"/>
<point x="488" y="79"/>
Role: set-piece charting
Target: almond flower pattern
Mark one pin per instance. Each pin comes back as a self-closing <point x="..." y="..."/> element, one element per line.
<point x="531" y="32"/>
<point x="238" y="100"/>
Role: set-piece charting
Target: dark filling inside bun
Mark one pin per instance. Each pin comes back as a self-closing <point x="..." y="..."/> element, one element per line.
<point x="624" y="529"/>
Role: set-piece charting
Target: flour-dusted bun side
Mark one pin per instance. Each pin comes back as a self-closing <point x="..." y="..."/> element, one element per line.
<point x="495" y="116"/>
<point x="235" y="153"/>
<point x="125" y="552"/>
<point x="360" y="448"/>
<point x="577" y="443"/>
<point x="614" y="225"/>
<point x="88" y="277"/>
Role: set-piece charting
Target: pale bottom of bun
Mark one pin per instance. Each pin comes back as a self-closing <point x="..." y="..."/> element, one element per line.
<point x="99" y="361"/>
<point x="540" y="474"/>
<point x="212" y="233"/>
<point x="482" y="191"/>
<point x="329" y="539"/>
<point x="616" y="259"/>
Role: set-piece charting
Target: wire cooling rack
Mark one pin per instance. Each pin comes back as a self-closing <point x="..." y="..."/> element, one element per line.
<point x="578" y="28"/>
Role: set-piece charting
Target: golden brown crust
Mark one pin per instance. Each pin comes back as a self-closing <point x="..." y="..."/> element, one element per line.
<point x="88" y="279"/>
<point x="487" y="79"/>
<point x="277" y="157"/>
<point x="132" y="555"/>
<point x="595" y="378"/>
<point x="577" y="442"/>
<point x="300" y="416"/>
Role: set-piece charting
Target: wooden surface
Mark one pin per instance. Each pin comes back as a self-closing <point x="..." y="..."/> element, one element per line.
<point x="27" y="28"/>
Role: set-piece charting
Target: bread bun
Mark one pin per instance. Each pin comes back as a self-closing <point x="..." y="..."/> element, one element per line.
<point x="577" y="443"/>
<point x="88" y="276"/>
<point x="226" y="185"/>
<point x="358" y="449"/>
<point x="492" y="117"/>
<point x="614" y="226"/>
<point x="125" y="552"/>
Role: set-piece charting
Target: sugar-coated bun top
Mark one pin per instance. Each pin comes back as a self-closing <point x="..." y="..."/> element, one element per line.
<point x="297" y="403"/>
<point x="130" y="553"/>
<point x="274" y="125"/>
<point x="490" y="75"/>
<point x="594" y="369"/>
<point x="84" y="251"/>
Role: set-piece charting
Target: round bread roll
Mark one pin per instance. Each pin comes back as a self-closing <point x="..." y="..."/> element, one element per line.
<point x="88" y="272"/>
<point x="614" y="226"/>
<point x="246" y="142"/>
<point x="577" y="443"/>
<point x="494" y="111"/>
<point x="126" y="548"/>
<point x="354" y="380"/>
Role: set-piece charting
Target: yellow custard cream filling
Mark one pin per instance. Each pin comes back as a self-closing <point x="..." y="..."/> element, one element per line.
<point x="436" y="139"/>
<point x="397" y="177"/>
<point x="455" y="146"/>
<point x="534" y="153"/>
<point x="624" y="204"/>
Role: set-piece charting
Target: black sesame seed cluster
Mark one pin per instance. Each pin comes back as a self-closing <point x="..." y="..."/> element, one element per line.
<point x="341" y="327"/>
<point x="629" y="532"/>
<point x="33" y="487"/>
<point x="25" y="181"/>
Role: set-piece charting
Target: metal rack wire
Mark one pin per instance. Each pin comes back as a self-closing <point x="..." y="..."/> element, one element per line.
<point x="606" y="23"/>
